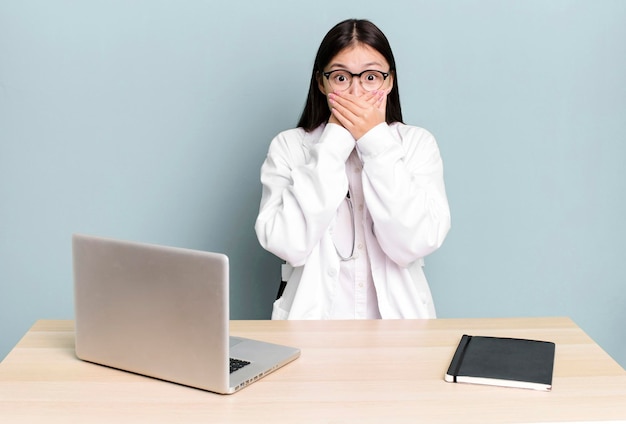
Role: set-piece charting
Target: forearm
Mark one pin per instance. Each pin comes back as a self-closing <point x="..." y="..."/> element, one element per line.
<point x="301" y="195"/>
<point x="405" y="194"/>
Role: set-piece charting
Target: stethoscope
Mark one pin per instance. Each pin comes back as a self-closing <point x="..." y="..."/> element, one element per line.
<point x="351" y="209"/>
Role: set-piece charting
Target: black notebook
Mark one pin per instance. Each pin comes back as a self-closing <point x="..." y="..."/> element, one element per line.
<point x="500" y="361"/>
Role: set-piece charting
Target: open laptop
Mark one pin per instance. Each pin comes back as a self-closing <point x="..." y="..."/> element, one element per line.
<point x="163" y="312"/>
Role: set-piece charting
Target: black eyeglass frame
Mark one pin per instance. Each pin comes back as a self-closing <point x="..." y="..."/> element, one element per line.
<point x="384" y="74"/>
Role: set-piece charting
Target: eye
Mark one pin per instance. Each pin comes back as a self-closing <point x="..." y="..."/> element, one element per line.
<point x="372" y="76"/>
<point x="340" y="77"/>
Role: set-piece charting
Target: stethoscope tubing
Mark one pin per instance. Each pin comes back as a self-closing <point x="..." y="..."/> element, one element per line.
<point x="351" y="209"/>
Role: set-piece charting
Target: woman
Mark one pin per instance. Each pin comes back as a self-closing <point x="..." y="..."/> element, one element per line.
<point x="353" y="199"/>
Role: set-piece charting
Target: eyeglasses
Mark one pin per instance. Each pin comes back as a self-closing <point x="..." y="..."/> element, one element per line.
<point x="341" y="79"/>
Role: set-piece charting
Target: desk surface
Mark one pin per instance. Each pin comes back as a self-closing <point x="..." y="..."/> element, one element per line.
<point x="350" y="371"/>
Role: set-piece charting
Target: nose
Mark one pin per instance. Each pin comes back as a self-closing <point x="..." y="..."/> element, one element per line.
<point x="356" y="89"/>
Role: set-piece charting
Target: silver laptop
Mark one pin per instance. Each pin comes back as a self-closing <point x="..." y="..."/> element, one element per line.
<point x="163" y="312"/>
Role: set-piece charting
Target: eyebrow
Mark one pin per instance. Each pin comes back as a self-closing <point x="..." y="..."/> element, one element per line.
<point x="342" y="66"/>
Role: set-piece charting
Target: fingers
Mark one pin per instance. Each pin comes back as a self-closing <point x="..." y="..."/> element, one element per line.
<point x="370" y="98"/>
<point x="382" y="100"/>
<point x="358" y="114"/>
<point x="358" y="104"/>
<point x="342" y="112"/>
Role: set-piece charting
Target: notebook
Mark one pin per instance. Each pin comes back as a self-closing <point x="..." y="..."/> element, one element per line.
<point x="163" y="312"/>
<point x="502" y="361"/>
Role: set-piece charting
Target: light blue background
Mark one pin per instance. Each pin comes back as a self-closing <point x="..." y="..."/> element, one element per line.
<point x="149" y="120"/>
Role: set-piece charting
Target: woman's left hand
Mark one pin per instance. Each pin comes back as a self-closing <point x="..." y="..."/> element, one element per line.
<point x="359" y="114"/>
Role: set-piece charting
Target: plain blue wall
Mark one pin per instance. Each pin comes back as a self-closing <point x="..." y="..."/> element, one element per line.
<point x="148" y="120"/>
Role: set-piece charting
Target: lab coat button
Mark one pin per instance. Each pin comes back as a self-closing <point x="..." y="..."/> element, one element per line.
<point x="332" y="272"/>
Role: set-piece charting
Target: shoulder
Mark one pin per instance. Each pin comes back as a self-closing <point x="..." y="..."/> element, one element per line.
<point x="292" y="145"/>
<point x="416" y="141"/>
<point x="411" y="133"/>
<point x="290" y="135"/>
<point x="295" y="138"/>
<point x="299" y="134"/>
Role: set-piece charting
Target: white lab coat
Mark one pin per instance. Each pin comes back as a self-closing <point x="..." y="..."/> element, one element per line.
<point x="407" y="215"/>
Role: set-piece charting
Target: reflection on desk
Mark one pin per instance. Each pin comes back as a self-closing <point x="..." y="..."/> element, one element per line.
<point x="350" y="371"/>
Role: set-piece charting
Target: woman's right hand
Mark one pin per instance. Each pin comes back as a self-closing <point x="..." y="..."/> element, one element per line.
<point x="333" y="119"/>
<point x="358" y="114"/>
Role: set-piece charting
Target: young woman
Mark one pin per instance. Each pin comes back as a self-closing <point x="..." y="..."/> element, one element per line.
<point x="353" y="199"/>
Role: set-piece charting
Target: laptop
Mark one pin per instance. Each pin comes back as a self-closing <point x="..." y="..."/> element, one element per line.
<point x="163" y="312"/>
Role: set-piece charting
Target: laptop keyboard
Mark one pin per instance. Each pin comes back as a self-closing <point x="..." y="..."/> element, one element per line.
<point x="237" y="364"/>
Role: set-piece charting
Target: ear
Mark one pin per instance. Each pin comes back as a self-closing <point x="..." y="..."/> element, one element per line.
<point x="320" y="82"/>
<point x="391" y="80"/>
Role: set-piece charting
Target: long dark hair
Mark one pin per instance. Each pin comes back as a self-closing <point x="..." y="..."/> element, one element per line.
<point x="342" y="35"/>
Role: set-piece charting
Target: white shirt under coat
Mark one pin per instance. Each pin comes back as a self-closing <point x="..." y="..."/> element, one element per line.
<point x="395" y="177"/>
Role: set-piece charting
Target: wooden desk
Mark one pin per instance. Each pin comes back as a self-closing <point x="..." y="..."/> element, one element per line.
<point x="349" y="371"/>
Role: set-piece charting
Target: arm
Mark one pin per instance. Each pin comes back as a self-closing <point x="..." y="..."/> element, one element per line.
<point x="402" y="178"/>
<point x="404" y="191"/>
<point x="302" y="189"/>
